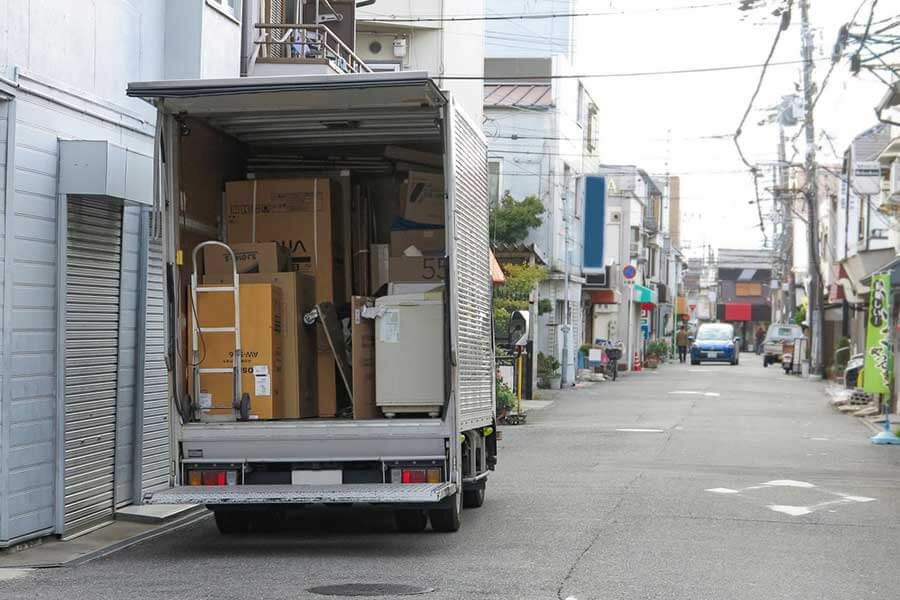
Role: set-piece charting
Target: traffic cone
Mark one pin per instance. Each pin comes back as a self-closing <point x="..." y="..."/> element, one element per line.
<point x="637" y="362"/>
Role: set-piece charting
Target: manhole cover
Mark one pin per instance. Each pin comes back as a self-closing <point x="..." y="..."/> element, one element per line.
<point x="370" y="589"/>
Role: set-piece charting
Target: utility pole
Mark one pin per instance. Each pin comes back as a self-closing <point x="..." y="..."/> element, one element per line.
<point x="816" y="312"/>
<point x="787" y="216"/>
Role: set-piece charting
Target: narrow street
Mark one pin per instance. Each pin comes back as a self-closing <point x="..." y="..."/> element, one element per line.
<point x="685" y="483"/>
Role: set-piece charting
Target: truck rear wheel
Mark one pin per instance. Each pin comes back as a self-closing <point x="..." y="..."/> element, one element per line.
<point x="410" y="521"/>
<point x="447" y="520"/>
<point x="473" y="498"/>
<point x="232" y="522"/>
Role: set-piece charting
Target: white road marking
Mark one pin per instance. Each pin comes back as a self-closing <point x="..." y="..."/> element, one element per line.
<point x="685" y="393"/>
<point x="818" y="439"/>
<point x="10" y="574"/>
<point x="634" y="430"/>
<point x="832" y="498"/>
<point x="712" y="394"/>
<point x="857" y="498"/>
<point x="789" y="483"/>
<point x="794" y="511"/>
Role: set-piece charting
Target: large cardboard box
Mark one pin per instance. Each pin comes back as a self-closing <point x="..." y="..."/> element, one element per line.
<point x="296" y="213"/>
<point x="428" y="269"/>
<point x="262" y="257"/>
<point x="293" y="212"/>
<point x="261" y="341"/>
<point x="362" y="332"/>
<point x="427" y="242"/>
<point x="298" y="295"/>
<point x="422" y="198"/>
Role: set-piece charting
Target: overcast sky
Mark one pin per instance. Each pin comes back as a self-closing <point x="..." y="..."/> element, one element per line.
<point x="640" y="113"/>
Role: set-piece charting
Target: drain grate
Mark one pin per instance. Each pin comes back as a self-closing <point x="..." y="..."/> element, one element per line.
<point x="369" y="589"/>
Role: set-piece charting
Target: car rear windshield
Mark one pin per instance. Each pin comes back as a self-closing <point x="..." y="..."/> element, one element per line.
<point x="715" y="332"/>
<point x="780" y="333"/>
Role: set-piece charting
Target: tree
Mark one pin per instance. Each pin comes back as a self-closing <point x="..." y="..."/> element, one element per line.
<point x="511" y="219"/>
<point x="514" y="294"/>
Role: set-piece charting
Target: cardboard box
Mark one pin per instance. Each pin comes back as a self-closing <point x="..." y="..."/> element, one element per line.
<point x="261" y="341"/>
<point x="362" y="331"/>
<point x="428" y="242"/>
<point x="296" y="213"/>
<point x="379" y="266"/>
<point x="298" y="385"/>
<point x="263" y="257"/>
<point x="430" y="269"/>
<point x="422" y="198"/>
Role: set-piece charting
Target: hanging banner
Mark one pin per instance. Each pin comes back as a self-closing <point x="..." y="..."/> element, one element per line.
<point x="878" y="366"/>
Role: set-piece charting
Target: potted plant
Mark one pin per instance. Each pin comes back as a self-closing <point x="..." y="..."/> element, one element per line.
<point x="655" y="350"/>
<point x="506" y="400"/>
<point x="548" y="371"/>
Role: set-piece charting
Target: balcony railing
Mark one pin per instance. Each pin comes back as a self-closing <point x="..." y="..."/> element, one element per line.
<point x="287" y="43"/>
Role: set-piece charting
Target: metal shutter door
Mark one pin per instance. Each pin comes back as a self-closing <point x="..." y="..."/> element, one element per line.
<point x="155" y="446"/>
<point x="93" y="265"/>
<point x="469" y="259"/>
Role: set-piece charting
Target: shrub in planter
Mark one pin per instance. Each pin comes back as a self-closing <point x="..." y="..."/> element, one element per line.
<point x="548" y="370"/>
<point x="506" y="400"/>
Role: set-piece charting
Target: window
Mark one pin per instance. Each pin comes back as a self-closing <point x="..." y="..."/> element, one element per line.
<point x="229" y="7"/>
<point x="495" y="181"/>
<point x="748" y="289"/>
<point x="579" y="117"/>
<point x="592" y="135"/>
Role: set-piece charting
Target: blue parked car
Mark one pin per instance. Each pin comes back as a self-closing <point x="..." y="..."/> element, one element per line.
<point x="715" y="342"/>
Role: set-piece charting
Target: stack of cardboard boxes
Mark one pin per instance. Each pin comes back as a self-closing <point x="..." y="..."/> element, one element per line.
<point x="289" y="237"/>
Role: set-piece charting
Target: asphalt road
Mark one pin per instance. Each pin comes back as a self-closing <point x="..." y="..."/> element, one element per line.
<point x="734" y="482"/>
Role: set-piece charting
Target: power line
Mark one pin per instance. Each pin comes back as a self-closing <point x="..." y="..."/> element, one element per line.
<point x="542" y="16"/>
<point x="541" y="78"/>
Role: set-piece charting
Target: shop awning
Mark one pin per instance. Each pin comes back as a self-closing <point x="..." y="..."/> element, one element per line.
<point x="642" y="294"/>
<point x="681" y="306"/>
<point x="497" y="276"/>
<point x="604" y="296"/>
<point x="738" y="312"/>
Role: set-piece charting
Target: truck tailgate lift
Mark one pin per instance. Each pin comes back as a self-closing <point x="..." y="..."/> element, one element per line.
<point x="357" y="493"/>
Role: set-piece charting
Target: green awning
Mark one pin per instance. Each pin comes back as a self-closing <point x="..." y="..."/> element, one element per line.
<point x="642" y="294"/>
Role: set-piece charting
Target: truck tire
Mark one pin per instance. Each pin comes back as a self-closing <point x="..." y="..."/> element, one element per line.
<point x="410" y="521"/>
<point x="473" y="498"/>
<point x="231" y="522"/>
<point x="447" y="520"/>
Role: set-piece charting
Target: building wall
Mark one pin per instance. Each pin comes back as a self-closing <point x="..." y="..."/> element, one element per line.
<point x="96" y="47"/>
<point x="220" y="55"/>
<point x="438" y="47"/>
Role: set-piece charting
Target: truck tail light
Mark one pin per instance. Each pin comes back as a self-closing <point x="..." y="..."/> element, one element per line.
<point x="212" y="477"/>
<point x="417" y="475"/>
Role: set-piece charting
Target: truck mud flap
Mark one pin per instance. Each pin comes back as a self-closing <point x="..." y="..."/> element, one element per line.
<point x="364" y="493"/>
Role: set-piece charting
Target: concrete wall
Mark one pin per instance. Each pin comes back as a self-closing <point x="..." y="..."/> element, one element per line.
<point x="94" y="46"/>
<point x="220" y="55"/>
<point x="439" y="47"/>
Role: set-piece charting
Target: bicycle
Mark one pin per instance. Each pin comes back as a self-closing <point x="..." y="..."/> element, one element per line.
<point x="613" y="351"/>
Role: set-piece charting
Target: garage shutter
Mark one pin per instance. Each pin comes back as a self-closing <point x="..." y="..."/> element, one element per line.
<point x="93" y="271"/>
<point x="155" y="446"/>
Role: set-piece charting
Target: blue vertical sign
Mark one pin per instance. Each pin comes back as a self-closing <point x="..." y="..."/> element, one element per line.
<point x="594" y="224"/>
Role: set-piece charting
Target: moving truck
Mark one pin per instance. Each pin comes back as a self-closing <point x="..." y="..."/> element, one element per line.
<point x="382" y="147"/>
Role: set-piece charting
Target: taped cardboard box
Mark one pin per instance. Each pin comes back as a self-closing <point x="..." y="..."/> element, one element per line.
<point x="422" y="198"/>
<point x="299" y="381"/>
<point x="263" y="257"/>
<point x="418" y="242"/>
<point x="427" y="269"/>
<point x="296" y="213"/>
<point x="261" y="341"/>
<point x="362" y="331"/>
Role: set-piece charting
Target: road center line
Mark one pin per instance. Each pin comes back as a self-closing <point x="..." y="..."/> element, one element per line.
<point x="637" y="430"/>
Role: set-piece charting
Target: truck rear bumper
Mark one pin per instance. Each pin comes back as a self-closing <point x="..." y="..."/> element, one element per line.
<point x="368" y="493"/>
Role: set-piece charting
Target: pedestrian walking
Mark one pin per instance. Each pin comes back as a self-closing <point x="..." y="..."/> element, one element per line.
<point x="681" y="340"/>
<point x="760" y="338"/>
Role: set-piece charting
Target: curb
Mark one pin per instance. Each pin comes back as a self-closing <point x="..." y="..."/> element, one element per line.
<point x="192" y="517"/>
